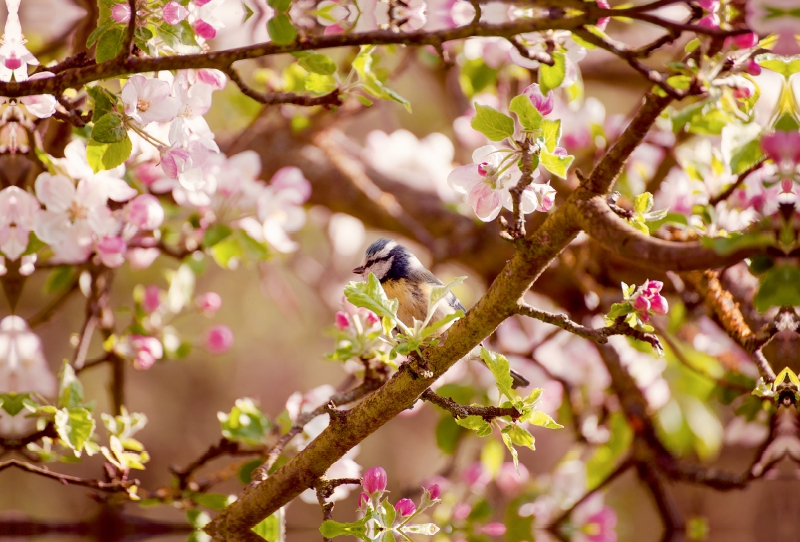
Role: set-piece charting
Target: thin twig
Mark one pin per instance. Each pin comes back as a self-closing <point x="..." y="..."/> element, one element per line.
<point x="332" y="99"/>
<point x="49" y="311"/>
<point x="741" y="178"/>
<point x="462" y="411"/>
<point x="113" y="486"/>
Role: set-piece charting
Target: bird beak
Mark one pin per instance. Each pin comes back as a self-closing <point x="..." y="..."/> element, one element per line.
<point x="359" y="270"/>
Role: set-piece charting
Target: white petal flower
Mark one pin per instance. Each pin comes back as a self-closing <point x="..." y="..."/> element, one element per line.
<point x="149" y="100"/>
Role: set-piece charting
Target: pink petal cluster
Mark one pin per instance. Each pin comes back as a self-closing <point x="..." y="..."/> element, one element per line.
<point x="121" y="13"/>
<point x="405" y="507"/>
<point x="374" y="480"/>
<point x="209" y="303"/>
<point x="648" y="298"/>
<point x="219" y="339"/>
<point x="544" y="104"/>
<point x="18" y="211"/>
<point x="784" y="149"/>
<point x="143" y="350"/>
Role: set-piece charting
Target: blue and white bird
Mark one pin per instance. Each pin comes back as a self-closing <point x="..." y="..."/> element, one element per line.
<point x="404" y="278"/>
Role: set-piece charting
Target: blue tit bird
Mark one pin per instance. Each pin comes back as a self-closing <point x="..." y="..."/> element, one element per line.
<point x="404" y="278"/>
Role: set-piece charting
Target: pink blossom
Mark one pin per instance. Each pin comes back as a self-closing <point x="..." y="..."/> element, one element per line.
<point x="709" y="5"/>
<point x="546" y="195"/>
<point x="174" y="13"/>
<point x="647" y="299"/>
<point x="14" y="56"/>
<point x="144" y="212"/>
<point x="214" y="78"/>
<point x="374" y="480"/>
<point x="151" y="300"/>
<point x="743" y="41"/>
<point x="476" y="475"/>
<point x="509" y="481"/>
<point x="219" y="339"/>
<point x="405" y="507"/>
<point x="462" y="510"/>
<point x="602" y="23"/>
<point x="493" y="529"/>
<point x="142" y="258"/>
<point x="291" y="178"/>
<point x="18" y="210"/>
<point x="209" y="302"/>
<point x="486" y="188"/>
<point x="204" y="30"/>
<point x="174" y="160"/>
<point x="539" y="101"/>
<point x="752" y="67"/>
<point x="111" y="251"/>
<point x="146" y="351"/>
<point x="434" y="491"/>
<point x="784" y="149"/>
<point x="342" y="321"/>
<point x="710" y="21"/>
<point x="363" y="499"/>
<point x="121" y="13"/>
<point x="149" y="100"/>
<point x="599" y="527"/>
<point x="40" y="106"/>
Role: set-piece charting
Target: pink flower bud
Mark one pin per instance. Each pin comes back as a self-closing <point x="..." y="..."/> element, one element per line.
<point x="641" y="304"/>
<point x="111" y="251"/>
<point x="405" y="507"/>
<point x="461" y="510"/>
<point x="494" y="529"/>
<point x="508" y="481"/>
<point x="745" y="41"/>
<point x="546" y="195"/>
<point x="219" y="339"/>
<point x="476" y="475"/>
<point x="146" y="350"/>
<point x="152" y="299"/>
<point x="482" y="171"/>
<point x="214" y="78"/>
<point x="539" y="101"/>
<point x="201" y="3"/>
<point x="341" y="321"/>
<point x="560" y="151"/>
<point x="204" y="30"/>
<point x="145" y="212"/>
<point x="434" y="491"/>
<point x="372" y="318"/>
<point x="174" y="13"/>
<point x="121" y="13"/>
<point x="209" y="303"/>
<point x="710" y="21"/>
<point x="652" y="287"/>
<point x="709" y="5"/>
<point x="374" y="480"/>
<point x="752" y="67"/>
<point x="659" y="304"/>
<point x="787" y="186"/>
<point x="174" y="161"/>
<point x="602" y="23"/>
<point x="363" y="499"/>
<point x="783" y="148"/>
<point x="12" y="61"/>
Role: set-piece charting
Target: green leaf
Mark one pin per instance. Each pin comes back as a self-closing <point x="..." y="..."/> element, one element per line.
<point x="74" y="426"/>
<point x="551" y="132"/>
<point x="109" y="45"/>
<point x="521" y="436"/>
<point x="99" y="31"/>
<point x="370" y="82"/>
<point x="104" y="101"/>
<point x="179" y="37"/>
<point x="780" y="287"/>
<point x="782" y="64"/>
<point x="370" y="295"/>
<point x="551" y="77"/>
<point x="448" y="434"/>
<point x="475" y="423"/>
<point x="331" y="529"/>
<point x="272" y="528"/>
<point x="70" y="389"/>
<point x="59" y="279"/>
<point x="109" y="129"/>
<point x="437" y="325"/>
<point x="281" y="6"/>
<point x="643" y="202"/>
<point x="492" y="456"/>
<point x="197" y="518"/>
<point x="216" y="233"/>
<point x="318" y="63"/>
<point x="245" y="423"/>
<point x="213" y="501"/>
<point x="557" y="164"/>
<point x="529" y="117"/>
<point x="510" y="445"/>
<point x="389" y="513"/>
<point x="281" y="30"/>
<point x="322" y="84"/>
<point x="501" y="369"/>
<point x="496" y="126"/>
<point x="102" y="156"/>
<point x="13" y="403"/>
<point x="544" y="420"/>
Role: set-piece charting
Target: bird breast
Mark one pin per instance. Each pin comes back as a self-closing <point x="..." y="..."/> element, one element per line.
<point x="413" y="300"/>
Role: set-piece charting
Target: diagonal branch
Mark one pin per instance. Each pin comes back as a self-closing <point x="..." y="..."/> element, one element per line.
<point x="331" y="99"/>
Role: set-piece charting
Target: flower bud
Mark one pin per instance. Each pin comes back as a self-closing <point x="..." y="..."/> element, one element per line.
<point x="752" y="67"/>
<point x="214" y="78"/>
<point x="121" y="13"/>
<point x="659" y="304"/>
<point x="539" y="101"/>
<point x="374" y="480"/>
<point x="145" y="212"/>
<point x="174" y="13"/>
<point x="219" y="339"/>
<point x="341" y="321"/>
<point x="745" y="41"/>
<point x="405" y="507"/>
<point x="434" y="491"/>
<point x="111" y="251"/>
<point x="363" y="499"/>
<point x="209" y="303"/>
<point x="652" y="287"/>
<point x="476" y="475"/>
<point x="493" y="529"/>
<point x="602" y="23"/>
<point x="144" y="351"/>
<point x="152" y="299"/>
<point x="641" y="303"/>
<point x="204" y="30"/>
<point x="546" y="195"/>
<point x="372" y="318"/>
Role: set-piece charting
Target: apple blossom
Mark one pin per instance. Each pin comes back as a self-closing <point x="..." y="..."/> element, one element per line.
<point x="784" y="149"/>
<point x="374" y="480"/>
<point x="174" y="13"/>
<point x="18" y="210"/>
<point x="434" y="491"/>
<point x="149" y="100"/>
<point x="144" y="351"/>
<point x="208" y="303"/>
<point x="14" y="56"/>
<point x="111" y="251"/>
<point x="493" y="529"/>
<point x="405" y="507"/>
<point x="144" y="212"/>
<point x="121" y="13"/>
<point x="152" y="298"/>
<point x="219" y="339"/>
<point x="486" y="183"/>
<point x="541" y="102"/>
<point x="213" y="78"/>
<point x="647" y="299"/>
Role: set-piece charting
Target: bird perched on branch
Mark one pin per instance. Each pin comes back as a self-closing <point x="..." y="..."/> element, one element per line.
<point x="404" y="278"/>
